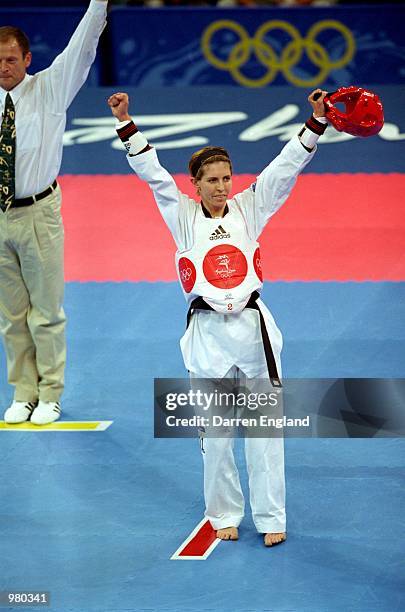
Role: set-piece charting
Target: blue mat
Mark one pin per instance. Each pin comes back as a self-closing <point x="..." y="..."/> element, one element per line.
<point x="94" y="517"/>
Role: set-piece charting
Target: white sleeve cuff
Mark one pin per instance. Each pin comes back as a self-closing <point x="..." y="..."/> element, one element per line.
<point x="308" y="138"/>
<point x="121" y="124"/>
<point x="137" y="143"/>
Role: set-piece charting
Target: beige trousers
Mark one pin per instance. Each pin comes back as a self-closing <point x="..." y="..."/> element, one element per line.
<point x="32" y="320"/>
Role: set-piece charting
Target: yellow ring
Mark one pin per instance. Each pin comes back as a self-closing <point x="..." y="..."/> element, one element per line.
<point x="310" y="82"/>
<point x="224" y="24"/>
<point x="248" y="82"/>
<point x="275" y="24"/>
<point x="332" y="24"/>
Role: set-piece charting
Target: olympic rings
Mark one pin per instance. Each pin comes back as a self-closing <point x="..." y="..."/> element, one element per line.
<point x="290" y="56"/>
<point x="185" y="274"/>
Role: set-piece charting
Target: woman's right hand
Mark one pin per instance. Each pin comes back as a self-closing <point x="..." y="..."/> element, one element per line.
<point x="119" y="104"/>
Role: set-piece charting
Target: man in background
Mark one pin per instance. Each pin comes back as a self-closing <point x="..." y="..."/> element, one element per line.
<point x="32" y="319"/>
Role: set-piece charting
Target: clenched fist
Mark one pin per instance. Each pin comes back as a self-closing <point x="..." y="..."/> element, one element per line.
<point x="119" y="103"/>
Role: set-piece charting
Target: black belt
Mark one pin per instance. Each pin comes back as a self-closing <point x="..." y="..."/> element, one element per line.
<point x="200" y="304"/>
<point x="32" y="199"/>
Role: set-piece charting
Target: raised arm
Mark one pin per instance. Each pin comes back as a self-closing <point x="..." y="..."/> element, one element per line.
<point x="277" y="180"/>
<point x="143" y="160"/>
<point x="67" y="73"/>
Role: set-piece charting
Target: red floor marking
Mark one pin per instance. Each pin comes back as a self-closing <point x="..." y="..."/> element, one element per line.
<point x="199" y="544"/>
<point x="341" y="227"/>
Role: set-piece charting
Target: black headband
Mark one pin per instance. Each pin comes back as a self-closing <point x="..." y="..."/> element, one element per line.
<point x="204" y="157"/>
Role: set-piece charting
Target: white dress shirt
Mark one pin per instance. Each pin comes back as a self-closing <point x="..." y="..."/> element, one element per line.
<point x="41" y="101"/>
<point x="215" y="342"/>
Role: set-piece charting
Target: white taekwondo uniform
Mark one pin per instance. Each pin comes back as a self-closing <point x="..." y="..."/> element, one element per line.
<point x="229" y="343"/>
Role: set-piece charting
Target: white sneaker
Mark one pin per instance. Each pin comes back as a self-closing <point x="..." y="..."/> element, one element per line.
<point x="19" y="412"/>
<point x="46" y="412"/>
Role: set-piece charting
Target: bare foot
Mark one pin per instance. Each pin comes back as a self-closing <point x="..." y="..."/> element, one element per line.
<point x="228" y="533"/>
<point x="271" y="539"/>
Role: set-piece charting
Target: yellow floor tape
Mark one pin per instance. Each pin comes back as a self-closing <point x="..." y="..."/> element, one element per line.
<point x="58" y="426"/>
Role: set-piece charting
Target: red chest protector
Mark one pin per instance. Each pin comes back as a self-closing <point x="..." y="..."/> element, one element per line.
<point x="223" y="266"/>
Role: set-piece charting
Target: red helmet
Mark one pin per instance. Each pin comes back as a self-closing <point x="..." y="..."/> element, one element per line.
<point x="364" y="115"/>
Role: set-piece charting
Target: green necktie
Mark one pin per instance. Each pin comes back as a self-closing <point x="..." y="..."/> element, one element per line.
<point x="7" y="155"/>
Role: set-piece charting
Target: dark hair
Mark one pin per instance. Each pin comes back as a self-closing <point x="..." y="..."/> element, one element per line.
<point x="7" y="32"/>
<point x="205" y="156"/>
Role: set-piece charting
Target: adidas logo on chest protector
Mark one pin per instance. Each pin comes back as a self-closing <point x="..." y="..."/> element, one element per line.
<point x="219" y="234"/>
